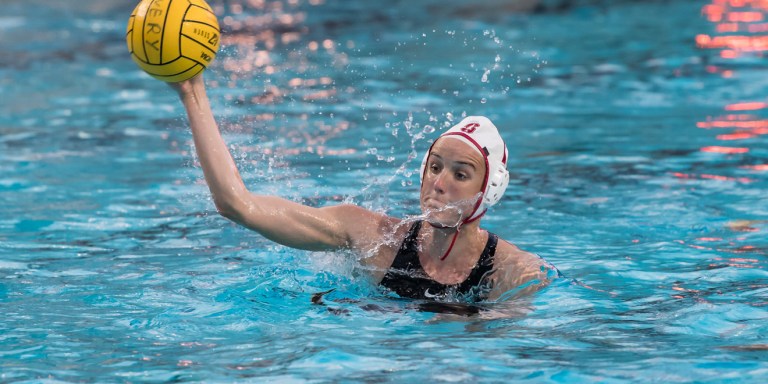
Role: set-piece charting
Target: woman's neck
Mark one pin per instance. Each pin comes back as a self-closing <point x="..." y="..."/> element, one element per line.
<point x="445" y="260"/>
<point x="445" y="245"/>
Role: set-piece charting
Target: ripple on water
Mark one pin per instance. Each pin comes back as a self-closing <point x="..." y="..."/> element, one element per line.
<point x="5" y="264"/>
<point x="112" y="254"/>
<point x="729" y="323"/>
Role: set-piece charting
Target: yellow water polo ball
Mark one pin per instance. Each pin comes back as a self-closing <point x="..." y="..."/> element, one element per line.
<point x="173" y="40"/>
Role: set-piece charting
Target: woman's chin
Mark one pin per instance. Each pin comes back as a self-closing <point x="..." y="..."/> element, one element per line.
<point x="442" y="219"/>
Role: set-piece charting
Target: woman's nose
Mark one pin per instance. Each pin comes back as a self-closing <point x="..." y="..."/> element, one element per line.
<point x="439" y="182"/>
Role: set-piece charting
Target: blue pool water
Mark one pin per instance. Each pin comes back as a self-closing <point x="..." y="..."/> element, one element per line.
<point x="639" y="162"/>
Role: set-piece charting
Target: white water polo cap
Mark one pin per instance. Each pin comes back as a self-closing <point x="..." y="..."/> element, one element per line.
<point x="479" y="133"/>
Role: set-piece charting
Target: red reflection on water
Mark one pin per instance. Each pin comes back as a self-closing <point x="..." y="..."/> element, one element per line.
<point x="727" y="27"/>
<point x="727" y="178"/>
<point x="759" y="167"/>
<point x="734" y="43"/>
<point x="704" y="176"/>
<point x="749" y="124"/>
<point x="757" y="28"/>
<point x="748" y="106"/>
<point x="736" y="136"/>
<point x="745" y="17"/>
<point x="713" y="12"/>
<point x="738" y="262"/>
<point x="726" y="150"/>
<point x="739" y="27"/>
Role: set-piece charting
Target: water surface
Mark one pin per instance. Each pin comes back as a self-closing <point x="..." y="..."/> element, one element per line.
<point x="638" y="160"/>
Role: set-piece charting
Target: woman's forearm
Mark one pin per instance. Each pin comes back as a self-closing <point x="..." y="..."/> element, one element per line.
<point x="219" y="168"/>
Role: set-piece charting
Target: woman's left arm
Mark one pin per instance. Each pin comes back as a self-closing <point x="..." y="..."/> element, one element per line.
<point x="518" y="273"/>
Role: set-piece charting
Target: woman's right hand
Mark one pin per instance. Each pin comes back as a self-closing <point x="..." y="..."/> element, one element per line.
<point x="185" y="87"/>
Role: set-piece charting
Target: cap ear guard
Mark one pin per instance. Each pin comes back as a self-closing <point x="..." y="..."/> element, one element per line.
<point x="498" y="180"/>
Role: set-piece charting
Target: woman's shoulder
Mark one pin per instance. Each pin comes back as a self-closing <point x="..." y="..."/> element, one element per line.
<point x="519" y="272"/>
<point x="373" y="234"/>
<point x="510" y="254"/>
<point x="358" y="217"/>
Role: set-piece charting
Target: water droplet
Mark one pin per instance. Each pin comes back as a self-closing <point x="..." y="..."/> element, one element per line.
<point x="372" y="151"/>
<point x="428" y="129"/>
<point x="484" y="79"/>
<point x="483" y="100"/>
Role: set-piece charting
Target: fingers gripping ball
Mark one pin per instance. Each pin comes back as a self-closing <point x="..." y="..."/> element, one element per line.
<point x="173" y="40"/>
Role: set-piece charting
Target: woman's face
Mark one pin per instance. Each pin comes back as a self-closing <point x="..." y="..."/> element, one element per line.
<point x="452" y="182"/>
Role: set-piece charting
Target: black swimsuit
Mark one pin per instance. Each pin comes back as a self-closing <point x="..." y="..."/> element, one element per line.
<point x="407" y="277"/>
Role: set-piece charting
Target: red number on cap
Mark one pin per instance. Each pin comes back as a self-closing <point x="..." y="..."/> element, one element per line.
<point x="469" y="128"/>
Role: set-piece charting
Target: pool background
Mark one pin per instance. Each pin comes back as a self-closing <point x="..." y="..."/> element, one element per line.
<point x="638" y="162"/>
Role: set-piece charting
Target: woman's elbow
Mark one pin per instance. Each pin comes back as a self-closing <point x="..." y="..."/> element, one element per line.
<point x="230" y="208"/>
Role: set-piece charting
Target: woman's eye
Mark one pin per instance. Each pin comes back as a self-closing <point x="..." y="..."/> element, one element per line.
<point x="461" y="176"/>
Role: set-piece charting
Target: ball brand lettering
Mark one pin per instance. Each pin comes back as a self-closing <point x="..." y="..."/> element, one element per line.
<point x="205" y="56"/>
<point x="214" y="40"/>
<point x="155" y="10"/>
<point x="153" y="44"/>
<point x="201" y="33"/>
<point x="469" y="128"/>
<point x="153" y="28"/>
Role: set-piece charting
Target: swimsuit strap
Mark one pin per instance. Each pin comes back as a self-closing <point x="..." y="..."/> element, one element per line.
<point x="408" y="255"/>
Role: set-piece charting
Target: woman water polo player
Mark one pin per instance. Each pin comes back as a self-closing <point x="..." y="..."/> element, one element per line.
<point x="441" y="255"/>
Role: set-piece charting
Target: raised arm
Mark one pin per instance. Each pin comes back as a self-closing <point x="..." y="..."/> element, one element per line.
<point x="278" y="219"/>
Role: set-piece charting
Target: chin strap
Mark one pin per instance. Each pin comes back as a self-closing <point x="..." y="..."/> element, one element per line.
<point x="450" y="247"/>
<point x="458" y="227"/>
